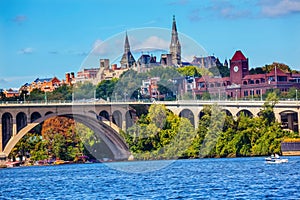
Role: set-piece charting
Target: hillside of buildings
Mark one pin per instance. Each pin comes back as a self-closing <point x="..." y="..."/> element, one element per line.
<point x="145" y="77"/>
<point x="160" y="83"/>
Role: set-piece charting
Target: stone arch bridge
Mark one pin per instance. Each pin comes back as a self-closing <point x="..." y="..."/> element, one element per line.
<point x="106" y="119"/>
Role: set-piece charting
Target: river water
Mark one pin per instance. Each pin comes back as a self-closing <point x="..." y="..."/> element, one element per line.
<point x="230" y="178"/>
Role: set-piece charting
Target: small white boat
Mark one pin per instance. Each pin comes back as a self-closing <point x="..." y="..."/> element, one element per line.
<point x="275" y="159"/>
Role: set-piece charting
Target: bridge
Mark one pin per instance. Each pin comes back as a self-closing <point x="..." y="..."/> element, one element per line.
<point x="107" y="118"/>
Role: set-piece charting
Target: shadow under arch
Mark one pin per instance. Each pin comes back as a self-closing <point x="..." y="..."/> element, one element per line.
<point x="289" y="120"/>
<point x="245" y="112"/>
<point x="7" y="128"/>
<point x="108" y="135"/>
<point x="227" y="112"/>
<point x="117" y="118"/>
<point x="21" y="120"/>
<point x="187" y="113"/>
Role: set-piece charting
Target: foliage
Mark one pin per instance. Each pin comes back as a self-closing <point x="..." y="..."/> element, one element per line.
<point x="159" y="134"/>
<point x="189" y="71"/>
<point x="105" y="88"/>
<point x="220" y="70"/>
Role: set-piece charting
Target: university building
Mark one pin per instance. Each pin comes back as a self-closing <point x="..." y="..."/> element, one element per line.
<point x="240" y="84"/>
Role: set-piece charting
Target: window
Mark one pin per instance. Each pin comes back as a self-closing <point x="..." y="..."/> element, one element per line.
<point x="245" y="93"/>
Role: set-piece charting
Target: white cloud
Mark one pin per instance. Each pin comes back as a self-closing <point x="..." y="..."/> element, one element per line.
<point x="27" y="50"/>
<point x="152" y="42"/>
<point x="279" y="8"/>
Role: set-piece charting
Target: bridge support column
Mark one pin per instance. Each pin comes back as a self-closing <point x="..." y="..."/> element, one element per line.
<point x="298" y="122"/>
<point x="196" y="121"/>
<point x="1" y="145"/>
<point x="14" y="129"/>
<point x="2" y="160"/>
<point x="124" y="125"/>
<point x="277" y="116"/>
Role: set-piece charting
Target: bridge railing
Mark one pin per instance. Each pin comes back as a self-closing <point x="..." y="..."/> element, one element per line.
<point x="89" y="101"/>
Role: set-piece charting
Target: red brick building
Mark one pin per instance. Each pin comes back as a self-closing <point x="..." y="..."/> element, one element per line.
<point x="240" y="84"/>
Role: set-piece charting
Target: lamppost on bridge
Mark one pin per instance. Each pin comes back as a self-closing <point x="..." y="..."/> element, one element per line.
<point x="45" y="97"/>
<point x="235" y="95"/>
<point x="125" y="94"/>
<point x="116" y="97"/>
<point x="252" y="91"/>
<point x="296" y="95"/>
<point x="219" y="94"/>
<point x="261" y="94"/>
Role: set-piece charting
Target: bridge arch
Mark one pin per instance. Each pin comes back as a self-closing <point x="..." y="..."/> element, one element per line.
<point x="129" y="119"/>
<point x="104" y="114"/>
<point x="117" y="118"/>
<point x="245" y="112"/>
<point x="7" y="128"/>
<point x="48" y="113"/>
<point x="107" y="134"/>
<point x="289" y="120"/>
<point x="187" y="113"/>
<point x="227" y="112"/>
<point x="21" y="120"/>
<point x="34" y="116"/>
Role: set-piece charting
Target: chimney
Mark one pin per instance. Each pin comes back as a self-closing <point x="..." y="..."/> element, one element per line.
<point x="114" y="67"/>
<point x="68" y="80"/>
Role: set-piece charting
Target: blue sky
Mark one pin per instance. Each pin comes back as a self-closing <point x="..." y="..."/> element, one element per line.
<point x="46" y="38"/>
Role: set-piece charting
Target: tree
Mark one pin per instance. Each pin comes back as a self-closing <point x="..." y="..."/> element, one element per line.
<point x="105" y="88"/>
<point x="189" y="71"/>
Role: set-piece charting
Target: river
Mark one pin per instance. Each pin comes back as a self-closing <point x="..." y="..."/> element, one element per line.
<point x="228" y="178"/>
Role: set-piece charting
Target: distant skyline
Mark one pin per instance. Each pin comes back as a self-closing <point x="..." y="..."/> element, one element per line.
<point x="46" y="38"/>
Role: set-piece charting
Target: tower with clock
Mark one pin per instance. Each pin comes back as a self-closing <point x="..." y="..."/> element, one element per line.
<point x="239" y="67"/>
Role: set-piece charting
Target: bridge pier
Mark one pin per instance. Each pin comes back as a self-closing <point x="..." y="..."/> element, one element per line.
<point x="3" y="160"/>
<point x="1" y="145"/>
<point x="298" y="122"/>
<point x="277" y="116"/>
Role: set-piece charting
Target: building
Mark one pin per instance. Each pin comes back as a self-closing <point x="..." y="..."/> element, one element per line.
<point x="149" y="88"/>
<point x="45" y="84"/>
<point x="146" y="62"/>
<point x="10" y="93"/>
<point x="127" y="60"/>
<point x="240" y="84"/>
<point x="206" y="62"/>
<point x="70" y="79"/>
<point x="175" y="47"/>
<point x="86" y="75"/>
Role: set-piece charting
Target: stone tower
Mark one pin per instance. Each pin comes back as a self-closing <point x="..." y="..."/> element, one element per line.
<point x="127" y="60"/>
<point x="175" y="47"/>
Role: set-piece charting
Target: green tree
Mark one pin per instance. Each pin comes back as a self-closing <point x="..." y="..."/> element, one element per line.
<point x="106" y="88"/>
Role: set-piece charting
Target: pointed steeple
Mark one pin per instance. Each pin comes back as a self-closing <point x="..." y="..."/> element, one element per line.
<point x="175" y="47"/>
<point x="127" y="58"/>
<point x="174" y="28"/>
<point x="126" y="44"/>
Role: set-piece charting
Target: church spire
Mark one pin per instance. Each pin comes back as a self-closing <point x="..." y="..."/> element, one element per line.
<point x="126" y="45"/>
<point x="174" y="28"/>
<point x="175" y="47"/>
<point x="127" y="59"/>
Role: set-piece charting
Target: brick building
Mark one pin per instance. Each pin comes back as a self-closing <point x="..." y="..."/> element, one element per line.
<point x="240" y="84"/>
